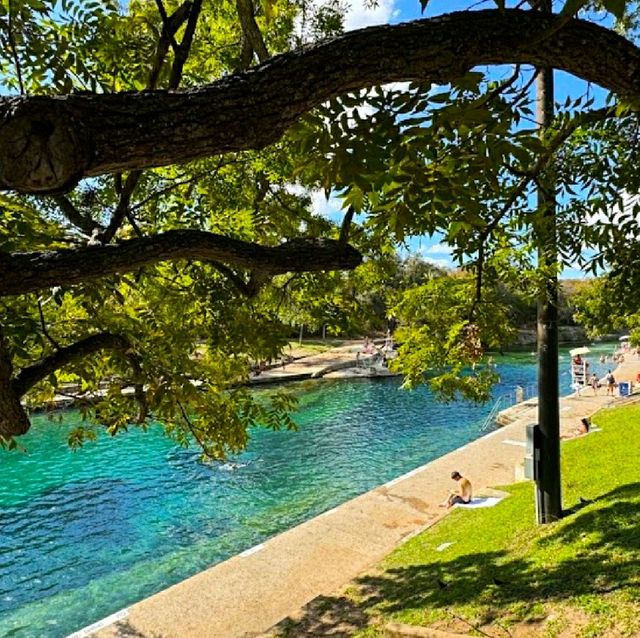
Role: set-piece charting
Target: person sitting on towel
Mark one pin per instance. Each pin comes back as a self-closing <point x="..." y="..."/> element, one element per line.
<point x="462" y="495"/>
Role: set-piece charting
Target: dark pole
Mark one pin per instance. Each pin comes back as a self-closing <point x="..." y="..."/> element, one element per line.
<point x="548" y="488"/>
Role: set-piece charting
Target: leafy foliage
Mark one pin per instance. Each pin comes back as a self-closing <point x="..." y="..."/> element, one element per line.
<point x="441" y="332"/>
<point x="460" y="161"/>
<point x="194" y="329"/>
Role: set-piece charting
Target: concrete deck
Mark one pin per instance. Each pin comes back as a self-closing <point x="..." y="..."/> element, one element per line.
<point x="306" y="367"/>
<point x="249" y="593"/>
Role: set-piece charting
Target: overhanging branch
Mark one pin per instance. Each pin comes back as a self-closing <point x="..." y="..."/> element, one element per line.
<point x="28" y="272"/>
<point x="32" y="374"/>
<point x="48" y="143"/>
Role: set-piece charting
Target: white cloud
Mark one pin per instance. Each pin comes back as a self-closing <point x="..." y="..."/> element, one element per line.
<point x="358" y="16"/>
<point x="319" y="203"/>
<point x="436" y="249"/>
<point x="323" y="207"/>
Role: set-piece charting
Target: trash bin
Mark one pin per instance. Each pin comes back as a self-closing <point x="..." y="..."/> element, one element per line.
<point x="624" y="388"/>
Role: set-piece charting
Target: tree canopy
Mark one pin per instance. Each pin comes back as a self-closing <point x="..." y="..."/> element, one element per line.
<point x="157" y="234"/>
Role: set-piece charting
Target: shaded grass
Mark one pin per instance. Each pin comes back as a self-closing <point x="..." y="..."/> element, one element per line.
<point x="504" y="575"/>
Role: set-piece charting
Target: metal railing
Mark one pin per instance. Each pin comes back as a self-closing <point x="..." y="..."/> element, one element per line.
<point x="507" y="400"/>
<point x="490" y="420"/>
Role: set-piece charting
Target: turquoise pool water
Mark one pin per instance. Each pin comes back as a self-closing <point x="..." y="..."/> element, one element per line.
<point x="83" y="534"/>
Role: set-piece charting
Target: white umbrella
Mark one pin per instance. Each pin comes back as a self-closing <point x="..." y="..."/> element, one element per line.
<point x="625" y="338"/>
<point x="577" y="351"/>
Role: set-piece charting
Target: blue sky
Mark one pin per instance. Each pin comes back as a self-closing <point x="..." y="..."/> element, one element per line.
<point x="394" y="11"/>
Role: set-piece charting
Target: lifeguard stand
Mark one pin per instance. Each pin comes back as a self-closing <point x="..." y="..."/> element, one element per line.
<point x="579" y="368"/>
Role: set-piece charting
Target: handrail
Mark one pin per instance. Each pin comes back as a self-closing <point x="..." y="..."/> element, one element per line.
<point x="491" y="417"/>
<point x="506" y="401"/>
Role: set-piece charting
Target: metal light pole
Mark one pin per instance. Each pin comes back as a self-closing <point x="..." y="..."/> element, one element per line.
<point x="548" y="487"/>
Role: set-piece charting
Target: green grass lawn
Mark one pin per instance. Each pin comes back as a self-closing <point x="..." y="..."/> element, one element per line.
<point x="503" y="575"/>
<point x="312" y="346"/>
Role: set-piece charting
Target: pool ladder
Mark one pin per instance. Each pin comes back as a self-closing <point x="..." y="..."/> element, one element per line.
<point x="501" y="403"/>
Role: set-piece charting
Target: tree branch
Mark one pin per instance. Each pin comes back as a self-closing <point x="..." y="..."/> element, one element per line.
<point x="43" y="326"/>
<point x="84" y="223"/>
<point x="14" y="49"/>
<point x="31" y="375"/>
<point x="48" y="143"/>
<point x="170" y="26"/>
<point x="36" y="372"/>
<point x="13" y="417"/>
<point x="252" y="40"/>
<point x="553" y="144"/>
<point x="188" y="11"/>
<point x="122" y="208"/>
<point x="182" y="52"/>
<point x="234" y="278"/>
<point x="346" y="227"/>
<point x="28" y="272"/>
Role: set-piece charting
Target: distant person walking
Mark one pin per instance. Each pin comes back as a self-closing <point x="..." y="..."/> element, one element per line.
<point x="611" y="383"/>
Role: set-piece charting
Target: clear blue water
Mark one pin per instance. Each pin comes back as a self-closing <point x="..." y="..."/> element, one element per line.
<point x="83" y="534"/>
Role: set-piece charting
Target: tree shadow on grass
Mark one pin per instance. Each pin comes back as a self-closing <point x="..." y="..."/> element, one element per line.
<point x="603" y="555"/>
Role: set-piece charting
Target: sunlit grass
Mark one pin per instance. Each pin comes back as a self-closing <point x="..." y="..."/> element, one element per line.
<point x="502" y="569"/>
<point x="502" y="574"/>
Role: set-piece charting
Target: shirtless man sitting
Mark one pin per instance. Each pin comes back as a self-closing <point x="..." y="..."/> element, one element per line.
<point x="462" y="495"/>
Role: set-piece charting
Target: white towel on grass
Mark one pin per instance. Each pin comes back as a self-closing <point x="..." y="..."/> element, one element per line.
<point x="481" y="501"/>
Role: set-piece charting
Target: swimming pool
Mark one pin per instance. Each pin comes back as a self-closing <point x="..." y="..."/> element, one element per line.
<point x="83" y="534"/>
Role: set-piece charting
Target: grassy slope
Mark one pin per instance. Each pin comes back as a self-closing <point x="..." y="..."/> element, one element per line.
<point x="579" y="577"/>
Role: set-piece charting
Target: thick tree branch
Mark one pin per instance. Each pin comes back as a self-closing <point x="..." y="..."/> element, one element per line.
<point x="32" y="374"/>
<point x="28" y="272"/>
<point x="13" y="418"/>
<point x="48" y="143"/>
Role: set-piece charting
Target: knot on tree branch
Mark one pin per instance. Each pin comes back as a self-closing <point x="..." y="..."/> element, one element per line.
<point x="42" y="150"/>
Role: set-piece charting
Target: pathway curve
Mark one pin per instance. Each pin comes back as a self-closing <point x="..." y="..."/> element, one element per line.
<point x="249" y="593"/>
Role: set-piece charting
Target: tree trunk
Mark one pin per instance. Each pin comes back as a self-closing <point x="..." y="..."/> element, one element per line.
<point x="548" y="492"/>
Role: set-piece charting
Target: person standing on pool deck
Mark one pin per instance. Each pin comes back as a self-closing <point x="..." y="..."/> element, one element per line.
<point x="611" y="383"/>
<point x="464" y="493"/>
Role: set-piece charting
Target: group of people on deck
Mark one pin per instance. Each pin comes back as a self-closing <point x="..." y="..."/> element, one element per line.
<point x="581" y="377"/>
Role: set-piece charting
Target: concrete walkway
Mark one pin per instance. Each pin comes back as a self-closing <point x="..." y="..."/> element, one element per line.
<point x="306" y="367"/>
<point x="249" y="593"/>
